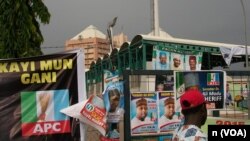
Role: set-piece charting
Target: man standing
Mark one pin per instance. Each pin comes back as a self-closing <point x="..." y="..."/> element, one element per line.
<point x="195" y="115"/>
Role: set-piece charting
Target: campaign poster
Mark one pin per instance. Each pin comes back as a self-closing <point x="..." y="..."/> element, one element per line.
<point x="145" y="138"/>
<point x="177" y="61"/>
<point x="168" y="118"/>
<point x="167" y="137"/>
<point x="164" y="83"/>
<point x="34" y="90"/>
<point x="93" y="113"/>
<point x="143" y="113"/>
<point x="113" y="98"/>
<point x="44" y="110"/>
<point x="161" y="60"/>
<point x="210" y="83"/>
<point x="193" y="62"/>
<point x="109" y="77"/>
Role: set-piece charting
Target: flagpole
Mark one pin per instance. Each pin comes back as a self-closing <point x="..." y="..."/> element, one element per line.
<point x="245" y="31"/>
<point x="245" y="28"/>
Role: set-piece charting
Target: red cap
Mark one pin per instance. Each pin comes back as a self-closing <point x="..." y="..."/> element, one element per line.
<point x="191" y="98"/>
<point x="192" y="57"/>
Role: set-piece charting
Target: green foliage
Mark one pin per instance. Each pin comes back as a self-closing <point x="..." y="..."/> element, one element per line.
<point x="20" y="34"/>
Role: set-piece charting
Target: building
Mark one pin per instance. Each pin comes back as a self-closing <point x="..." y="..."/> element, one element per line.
<point x="94" y="43"/>
<point x="119" y="39"/>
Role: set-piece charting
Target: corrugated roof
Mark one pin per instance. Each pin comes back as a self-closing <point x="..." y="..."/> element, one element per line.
<point x="90" y="32"/>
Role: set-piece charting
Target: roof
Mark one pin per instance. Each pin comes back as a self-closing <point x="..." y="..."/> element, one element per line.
<point x="90" y="32"/>
<point x="182" y="41"/>
<point x="162" y="34"/>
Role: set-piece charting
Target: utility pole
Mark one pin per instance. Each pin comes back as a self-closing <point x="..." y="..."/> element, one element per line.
<point x="245" y="31"/>
<point x="110" y="33"/>
<point x="246" y="48"/>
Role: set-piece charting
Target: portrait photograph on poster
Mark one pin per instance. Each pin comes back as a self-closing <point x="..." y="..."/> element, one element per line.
<point x="193" y="62"/>
<point x="177" y="61"/>
<point x="143" y="113"/>
<point x="210" y="83"/>
<point x="113" y="98"/>
<point x="161" y="60"/>
<point x="168" y="118"/>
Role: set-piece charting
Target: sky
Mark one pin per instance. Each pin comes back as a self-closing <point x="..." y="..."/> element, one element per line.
<point x="206" y="20"/>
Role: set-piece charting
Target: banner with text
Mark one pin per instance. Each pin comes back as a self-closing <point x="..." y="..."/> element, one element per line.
<point x="34" y="90"/>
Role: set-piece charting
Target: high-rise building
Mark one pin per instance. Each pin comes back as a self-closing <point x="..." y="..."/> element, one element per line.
<point x="94" y="43"/>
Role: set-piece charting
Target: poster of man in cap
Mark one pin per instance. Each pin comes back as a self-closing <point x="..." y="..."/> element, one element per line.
<point x="193" y="62"/>
<point x="161" y="60"/>
<point x="143" y="113"/>
<point x="168" y="118"/>
<point x="177" y="61"/>
<point x="210" y="83"/>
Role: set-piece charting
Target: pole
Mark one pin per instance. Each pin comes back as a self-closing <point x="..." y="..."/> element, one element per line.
<point x="246" y="48"/>
<point x="111" y="38"/>
<point x="245" y="31"/>
<point x="156" y="18"/>
<point x="110" y="26"/>
<point x="111" y="31"/>
<point x="152" y="17"/>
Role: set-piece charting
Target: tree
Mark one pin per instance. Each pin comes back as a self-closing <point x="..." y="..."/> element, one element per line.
<point x="20" y="34"/>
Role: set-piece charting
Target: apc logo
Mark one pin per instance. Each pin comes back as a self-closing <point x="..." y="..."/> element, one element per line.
<point x="90" y="107"/>
<point x="41" y="112"/>
<point x="213" y="79"/>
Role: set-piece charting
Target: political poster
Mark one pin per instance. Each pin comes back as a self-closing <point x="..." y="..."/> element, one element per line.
<point x="114" y="102"/>
<point x="143" y="113"/>
<point x="193" y="62"/>
<point x="166" y="59"/>
<point x="110" y="77"/>
<point x="161" y="60"/>
<point x="168" y="118"/>
<point x="177" y="61"/>
<point x="34" y="90"/>
<point x="166" y="137"/>
<point x="210" y="83"/>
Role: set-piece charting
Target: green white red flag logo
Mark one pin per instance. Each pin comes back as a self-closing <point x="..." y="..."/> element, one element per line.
<point x="213" y="79"/>
<point x="41" y="112"/>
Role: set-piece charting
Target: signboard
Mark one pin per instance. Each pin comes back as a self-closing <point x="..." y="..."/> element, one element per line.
<point x="34" y="90"/>
<point x="163" y="59"/>
<point x="143" y="113"/>
<point x="210" y="83"/>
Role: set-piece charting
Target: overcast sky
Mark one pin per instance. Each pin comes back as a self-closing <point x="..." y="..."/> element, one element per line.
<point x="206" y="20"/>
